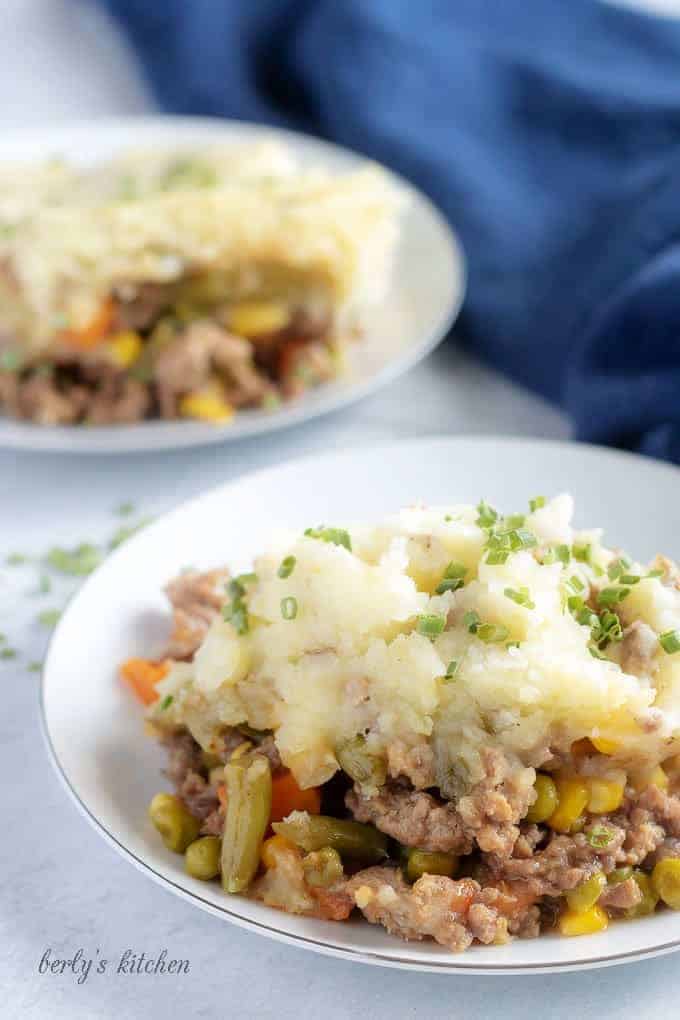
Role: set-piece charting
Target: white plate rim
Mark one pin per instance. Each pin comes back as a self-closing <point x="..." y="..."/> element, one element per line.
<point x="153" y="436"/>
<point x="343" y="952"/>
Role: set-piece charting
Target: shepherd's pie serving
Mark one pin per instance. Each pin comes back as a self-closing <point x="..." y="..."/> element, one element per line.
<point x="466" y="725"/>
<point x="183" y="284"/>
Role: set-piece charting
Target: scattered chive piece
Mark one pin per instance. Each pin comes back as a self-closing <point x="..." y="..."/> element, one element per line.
<point x="512" y="644"/>
<point x="167" y="701"/>
<point x="492" y="632"/>
<point x="670" y="641"/>
<point x="127" y="531"/>
<point x="472" y="621"/>
<point x="536" y="503"/>
<point x="575" y="583"/>
<point x="448" y="517"/>
<point x="562" y="553"/>
<point x="453" y="578"/>
<point x="44" y="585"/>
<point x="513" y="521"/>
<point x="125" y="509"/>
<point x="34" y="667"/>
<point x="8" y="653"/>
<point x="655" y="573"/>
<point x="521" y="596"/>
<point x="629" y="579"/>
<point x="618" y="567"/>
<point x="582" y="553"/>
<point x="497" y="556"/>
<point x="613" y="595"/>
<point x="431" y="625"/>
<point x="289" y="607"/>
<point x="486" y="515"/>
<point x="49" y="617"/>
<point x="79" y="561"/>
<point x="451" y="669"/>
<point x="286" y="567"/>
<point x="16" y="559"/>
<point x="336" y="536"/>
<point x="599" y="836"/>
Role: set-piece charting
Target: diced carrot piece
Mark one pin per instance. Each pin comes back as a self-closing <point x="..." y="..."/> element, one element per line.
<point x="88" y="337"/>
<point x="222" y="794"/>
<point x="287" y="796"/>
<point x="141" y="676"/>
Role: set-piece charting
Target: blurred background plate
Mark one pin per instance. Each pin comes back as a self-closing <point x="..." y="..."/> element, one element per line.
<point x="426" y="293"/>
<point x="94" y="727"/>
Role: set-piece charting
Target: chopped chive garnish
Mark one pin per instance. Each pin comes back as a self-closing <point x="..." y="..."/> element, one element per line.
<point x="562" y="553"/>
<point x="451" y="669"/>
<point x="336" y="536"/>
<point x="536" y="503"/>
<point x="512" y="644"/>
<point x="497" y="556"/>
<point x="486" y="515"/>
<point x="167" y="701"/>
<point x="513" y="521"/>
<point x="629" y="579"/>
<point x="670" y="641"/>
<point x="613" y="595"/>
<point x="582" y="553"/>
<point x="472" y="621"/>
<point x="491" y="633"/>
<point x="44" y="585"/>
<point x="599" y="836"/>
<point x="618" y="567"/>
<point x="125" y="509"/>
<point x="448" y="517"/>
<point x="431" y="624"/>
<point x="286" y="567"/>
<point x="34" y="667"/>
<point x="79" y="561"/>
<point x="289" y="607"/>
<point x="521" y="596"/>
<point x="8" y="653"/>
<point x="127" y="531"/>
<point x="16" y="559"/>
<point x="49" y="617"/>
<point x="655" y="573"/>
<point x="575" y="583"/>
<point x="452" y="579"/>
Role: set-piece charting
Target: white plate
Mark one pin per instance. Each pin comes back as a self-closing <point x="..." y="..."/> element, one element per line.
<point x="94" y="727"/>
<point x="424" y="300"/>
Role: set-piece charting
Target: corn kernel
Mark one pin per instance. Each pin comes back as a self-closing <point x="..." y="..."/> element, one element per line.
<point x="572" y="798"/>
<point x="272" y="848"/>
<point x="125" y="348"/>
<point x="546" y="799"/>
<point x="666" y="881"/>
<point x="604" y="745"/>
<point x="650" y="777"/>
<point x="257" y="318"/>
<point x="206" y="408"/>
<point x="586" y="922"/>
<point x="586" y="895"/>
<point x="604" y="795"/>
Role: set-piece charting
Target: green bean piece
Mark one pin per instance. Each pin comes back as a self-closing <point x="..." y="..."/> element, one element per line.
<point x="249" y="801"/>
<point x="650" y="897"/>
<point x="177" y="827"/>
<point x="619" y="875"/>
<point x="422" y="862"/>
<point x="361" y="766"/>
<point x="351" y="839"/>
<point x="202" y="858"/>
<point x="323" y="867"/>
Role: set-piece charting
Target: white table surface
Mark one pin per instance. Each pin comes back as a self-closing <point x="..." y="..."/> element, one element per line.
<point x="62" y="887"/>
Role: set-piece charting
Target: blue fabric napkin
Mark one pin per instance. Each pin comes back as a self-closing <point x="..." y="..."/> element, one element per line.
<point x="548" y="132"/>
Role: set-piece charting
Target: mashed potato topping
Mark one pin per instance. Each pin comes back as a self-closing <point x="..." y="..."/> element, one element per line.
<point x="436" y="633"/>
